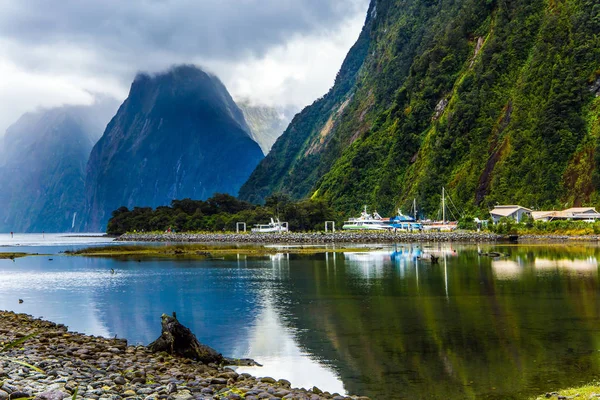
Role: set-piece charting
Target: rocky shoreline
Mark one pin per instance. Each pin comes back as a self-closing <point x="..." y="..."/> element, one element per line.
<point x="313" y="237"/>
<point x="55" y="364"/>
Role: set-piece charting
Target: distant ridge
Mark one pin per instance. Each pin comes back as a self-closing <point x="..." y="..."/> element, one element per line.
<point x="42" y="172"/>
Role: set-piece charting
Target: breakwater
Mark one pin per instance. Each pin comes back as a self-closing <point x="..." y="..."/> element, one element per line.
<point x="54" y="364"/>
<point x="313" y="237"/>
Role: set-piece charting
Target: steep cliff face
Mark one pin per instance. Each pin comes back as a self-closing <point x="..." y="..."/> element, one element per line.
<point x="178" y="134"/>
<point x="43" y="167"/>
<point x="266" y="123"/>
<point x="294" y="163"/>
<point x="495" y="100"/>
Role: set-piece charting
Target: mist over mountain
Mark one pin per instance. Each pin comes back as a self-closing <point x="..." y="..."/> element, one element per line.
<point x="497" y="101"/>
<point x="42" y="171"/>
<point x="266" y="123"/>
<point x="178" y="134"/>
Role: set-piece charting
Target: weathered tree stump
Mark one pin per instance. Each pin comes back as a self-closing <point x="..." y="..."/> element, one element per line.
<point x="176" y="339"/>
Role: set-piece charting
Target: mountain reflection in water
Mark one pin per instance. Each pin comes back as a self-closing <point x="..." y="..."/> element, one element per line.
<point x="389" y="324"/>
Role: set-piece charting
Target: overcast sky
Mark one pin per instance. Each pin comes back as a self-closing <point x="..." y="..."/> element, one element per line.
<point x="271" y="51"/>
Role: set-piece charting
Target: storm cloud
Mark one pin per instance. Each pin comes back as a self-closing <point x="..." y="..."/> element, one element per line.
<point x="271" y="51"/>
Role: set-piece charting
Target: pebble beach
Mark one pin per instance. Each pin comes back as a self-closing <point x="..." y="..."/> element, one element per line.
<point x="55" y="364"/>
<point x="314" y="237"/>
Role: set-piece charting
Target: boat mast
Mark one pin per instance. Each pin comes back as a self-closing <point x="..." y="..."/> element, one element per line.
<point x="443" y="205"/>
<point x="415" y="208"/>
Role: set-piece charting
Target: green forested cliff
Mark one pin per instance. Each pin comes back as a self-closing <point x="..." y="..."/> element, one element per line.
<point x="496" y="100"/>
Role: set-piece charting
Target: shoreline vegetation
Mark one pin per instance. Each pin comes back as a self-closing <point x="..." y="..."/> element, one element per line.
<point x="206" y="251"/>
<point x="12" y="256"/>
<point x="589" y="391"/>
<point x="222" y="213"/>
<point x="43" y="360"/>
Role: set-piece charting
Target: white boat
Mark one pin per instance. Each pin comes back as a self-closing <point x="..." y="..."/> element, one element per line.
<point x="273" y="226"/>
<point x="367" y="222"/>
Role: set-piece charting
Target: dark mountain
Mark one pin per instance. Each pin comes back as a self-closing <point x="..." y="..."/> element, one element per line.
<point x="495" y="100"/>
<point x="266" y="123"/>
<point x="178" y="134"/>
<point x="43" y="166"/>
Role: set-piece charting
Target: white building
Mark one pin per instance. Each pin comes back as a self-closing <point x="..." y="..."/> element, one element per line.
<point x="588" y="214"/>
<point x="514" y="212"/>
<point x="579" y="213"/>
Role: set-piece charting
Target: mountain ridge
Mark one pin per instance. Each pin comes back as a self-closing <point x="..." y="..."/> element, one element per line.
<point x="493" y="100"/>
<point x="178" y="134"/>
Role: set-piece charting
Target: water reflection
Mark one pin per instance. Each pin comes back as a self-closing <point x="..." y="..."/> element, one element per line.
<point x="389" y="324"/>
<point x="276" y="347"/>
<point x="507" y="269"/>
<point x="396" y="325"/>
<point x="587" y="266"/>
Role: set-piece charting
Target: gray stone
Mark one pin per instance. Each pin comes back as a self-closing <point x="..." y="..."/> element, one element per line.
<point x="119" y="380"/>
<point x="52" y="395"/>
<point x="3" y="395"/>
<point x="284" y="383"/>
<point x="8" y="388"/>
<point x="182" y="395"/>
<point x="18" y="395"/>
<point x="281" y="393"/>
<point x="171" y="388"/>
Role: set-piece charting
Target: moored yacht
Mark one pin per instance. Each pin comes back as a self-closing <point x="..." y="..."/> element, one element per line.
<point x="404" y="222"/>
<point x="367" y="222"/>
<point x="273" y="226"/>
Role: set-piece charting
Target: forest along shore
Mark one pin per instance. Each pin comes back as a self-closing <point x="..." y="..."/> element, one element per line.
<point x="313" y="237"/>
<point x="55" y="364"/>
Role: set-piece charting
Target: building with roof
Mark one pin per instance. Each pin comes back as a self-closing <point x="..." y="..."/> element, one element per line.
<point x="588" y="214"/>
<point x="581" y="210"/>
<point x="515" y="212"/>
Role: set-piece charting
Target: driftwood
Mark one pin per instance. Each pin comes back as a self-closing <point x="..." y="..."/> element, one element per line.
<point x="178" y="340"/>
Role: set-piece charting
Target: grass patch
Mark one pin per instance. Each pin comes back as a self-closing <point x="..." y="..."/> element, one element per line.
<point x="203" y="251"/>
<point x="12" y="256"/>
<point x="17" y="343"/>
<point x="589" y="391"/>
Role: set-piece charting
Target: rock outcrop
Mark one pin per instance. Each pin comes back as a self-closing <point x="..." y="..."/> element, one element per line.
<point x="176" y="339"/>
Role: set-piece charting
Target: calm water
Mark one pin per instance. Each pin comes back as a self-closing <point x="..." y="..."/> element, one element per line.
<point x="384" y="324"/>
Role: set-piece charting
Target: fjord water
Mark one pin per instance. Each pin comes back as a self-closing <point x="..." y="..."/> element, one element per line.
<point x="387" y="324"/>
